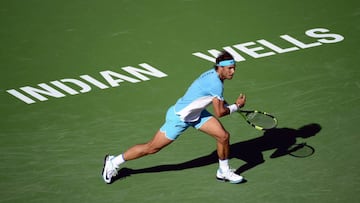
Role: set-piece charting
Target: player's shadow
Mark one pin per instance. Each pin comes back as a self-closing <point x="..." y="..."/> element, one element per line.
<point x="250" y="151"/>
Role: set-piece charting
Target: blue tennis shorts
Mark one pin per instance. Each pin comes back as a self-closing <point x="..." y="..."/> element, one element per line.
<point x="174" y="127"/>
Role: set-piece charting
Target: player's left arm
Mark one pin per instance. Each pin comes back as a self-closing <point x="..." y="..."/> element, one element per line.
<point x="222" y="108"/>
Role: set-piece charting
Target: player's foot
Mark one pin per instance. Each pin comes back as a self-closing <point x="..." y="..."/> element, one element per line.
<point x="229" y="176"/>
<point x="109" y="170"/>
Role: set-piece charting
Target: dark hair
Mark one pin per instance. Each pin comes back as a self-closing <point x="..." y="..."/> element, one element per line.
<point x="223" y="56"/>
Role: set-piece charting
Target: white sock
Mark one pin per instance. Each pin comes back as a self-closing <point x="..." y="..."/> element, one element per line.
<point x="118" y="160"/>
<point x="224" y="165"/>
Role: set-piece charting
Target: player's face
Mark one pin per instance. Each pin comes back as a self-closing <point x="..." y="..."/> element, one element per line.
<point x="226" y="72"/>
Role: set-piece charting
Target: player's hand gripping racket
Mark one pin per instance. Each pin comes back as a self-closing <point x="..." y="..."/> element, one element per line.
<point x="259" y="120"/>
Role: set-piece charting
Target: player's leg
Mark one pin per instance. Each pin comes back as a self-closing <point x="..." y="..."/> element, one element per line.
<point x="171" y="129"/>
<point x="158" y="142"/>
<point x="112" y="163"/>
<point x="213" y="127"/>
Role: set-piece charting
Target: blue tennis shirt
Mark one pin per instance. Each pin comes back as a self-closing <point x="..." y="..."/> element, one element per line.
<point x="199" y="95"/>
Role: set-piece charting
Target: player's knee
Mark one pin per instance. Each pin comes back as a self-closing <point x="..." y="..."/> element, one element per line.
<point x="224" y="137"/>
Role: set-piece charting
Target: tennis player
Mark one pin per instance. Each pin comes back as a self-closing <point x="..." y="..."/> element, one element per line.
<point x="190" y="110"/>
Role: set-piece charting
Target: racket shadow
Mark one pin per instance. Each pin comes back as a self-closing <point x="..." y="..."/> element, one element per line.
<point x="250" y="151"/>
<point x="281" y="140"/>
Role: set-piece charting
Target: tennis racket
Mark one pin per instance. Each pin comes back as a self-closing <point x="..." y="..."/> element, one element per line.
<point x="258" y="119"/>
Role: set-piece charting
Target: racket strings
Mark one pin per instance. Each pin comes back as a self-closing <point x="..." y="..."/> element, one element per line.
<point x="261" y="119"/>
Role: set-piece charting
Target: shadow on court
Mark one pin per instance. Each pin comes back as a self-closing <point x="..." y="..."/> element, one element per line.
<point x="250" y="151"/>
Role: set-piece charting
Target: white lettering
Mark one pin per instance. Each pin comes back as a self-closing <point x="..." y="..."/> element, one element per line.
<point x="94" y="81"/>
<point x="84" y="87"/>
<point x="320" y="33"/>
<point x="150" y="71"/>
<point x="21" y="96"/>
<point x="298" y="43"/>
<point x="332" y="38"/>
<point x="276" y="48"/>
<point x="252" y="51"/>
<point x="109" y="77"/>
<point x="114" y="79"/>
<point x="47" y="90"/>
<point x="66" y="88"/>
<point x="206" y="57"/>
<point x="237" y="56"/>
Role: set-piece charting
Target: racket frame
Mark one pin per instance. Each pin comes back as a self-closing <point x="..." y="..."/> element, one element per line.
<point x="245" y="112"/>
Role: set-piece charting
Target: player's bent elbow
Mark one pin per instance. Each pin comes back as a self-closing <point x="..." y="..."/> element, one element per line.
<point x="220" y="114"/>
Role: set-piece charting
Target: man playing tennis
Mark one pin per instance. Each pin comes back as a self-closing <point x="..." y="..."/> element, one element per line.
<point x="190" y="110"/>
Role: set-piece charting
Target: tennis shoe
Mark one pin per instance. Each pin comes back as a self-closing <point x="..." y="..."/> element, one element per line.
<point x="229" y="176"/>
<point x="109" y="170"/>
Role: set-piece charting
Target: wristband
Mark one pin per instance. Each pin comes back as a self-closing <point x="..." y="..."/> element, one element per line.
<point x="233" y="108"/>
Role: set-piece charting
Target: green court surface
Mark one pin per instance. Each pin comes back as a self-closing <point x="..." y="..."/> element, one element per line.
<point x="68" y="98"/>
